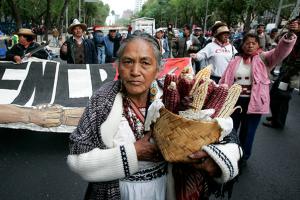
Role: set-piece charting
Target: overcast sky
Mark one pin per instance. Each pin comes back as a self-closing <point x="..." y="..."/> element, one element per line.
<point x="120" y="5"/>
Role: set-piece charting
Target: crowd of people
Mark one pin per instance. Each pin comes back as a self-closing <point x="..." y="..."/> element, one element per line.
<point x="139" y="172"/>
<point x="110" y="148"/>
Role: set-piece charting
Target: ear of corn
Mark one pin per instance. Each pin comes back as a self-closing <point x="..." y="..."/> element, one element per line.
<point x="211" y="86"/>
<point x="231" y="99"/>
<point x="217" y="99"/>
<point x="185" y="84"/>
<point x="168" y="79"/>
<point x="205" y="93"/>
<point x="202" y="74"/>
<point x="199" y="95"/>
<point x="172" y="98"/>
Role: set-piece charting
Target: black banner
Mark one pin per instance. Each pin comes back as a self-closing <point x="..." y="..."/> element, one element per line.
<point x="35" y="83"/>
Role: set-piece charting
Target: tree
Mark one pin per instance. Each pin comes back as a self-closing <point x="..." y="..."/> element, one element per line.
<point x="60" y="19"/>
<point x="193" y="12"/>
<point x="51" y="13"/>
<point x="15" y="12"/>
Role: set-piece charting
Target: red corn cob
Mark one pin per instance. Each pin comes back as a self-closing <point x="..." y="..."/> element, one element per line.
<point x="217" y="99"/>
<point x="168" y="79"/>
<point x="172" y="98"/>
<point x="185" y="84"/>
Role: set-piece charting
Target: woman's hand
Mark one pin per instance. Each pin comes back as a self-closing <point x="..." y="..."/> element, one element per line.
<point x="147" y="151"/>
<point x="206" y="163"/>
<point x="293" y="26"/>
<point x="18" y="59"/>
<point x="194" y="56"/>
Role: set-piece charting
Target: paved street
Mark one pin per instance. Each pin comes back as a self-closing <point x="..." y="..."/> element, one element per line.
<point x="32" y="165"/>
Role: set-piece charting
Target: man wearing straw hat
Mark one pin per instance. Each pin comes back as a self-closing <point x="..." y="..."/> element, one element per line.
<point x="77" y="50"/>
<point x="25" y="46"/>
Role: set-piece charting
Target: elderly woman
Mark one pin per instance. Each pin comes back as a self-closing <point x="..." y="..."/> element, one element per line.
<point x="110" y="149"/>
<point x="251" y="70"/>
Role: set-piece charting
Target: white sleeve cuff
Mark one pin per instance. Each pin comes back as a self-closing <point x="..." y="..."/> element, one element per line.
<point x="227" y="157"/>
<point x="200" y="56"/>
<point x="100" y="165"/>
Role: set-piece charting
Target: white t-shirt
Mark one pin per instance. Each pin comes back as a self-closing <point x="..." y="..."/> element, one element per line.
<point x="218" y="56"/>
<point x="243" y="78"/>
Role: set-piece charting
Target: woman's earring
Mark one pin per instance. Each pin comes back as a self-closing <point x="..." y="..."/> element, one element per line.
<point x="153" y="91"/>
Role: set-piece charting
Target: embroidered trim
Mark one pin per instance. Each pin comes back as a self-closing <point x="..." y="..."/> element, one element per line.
<point x="149" y="174"/>
<point x="125" y="161"/>
<point x="135" y="123"/>
<point x="224" y="158"/>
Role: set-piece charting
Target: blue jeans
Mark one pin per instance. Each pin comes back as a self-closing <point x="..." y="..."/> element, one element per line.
<point x="247" y="123"/>
<point x="101" y="54"/>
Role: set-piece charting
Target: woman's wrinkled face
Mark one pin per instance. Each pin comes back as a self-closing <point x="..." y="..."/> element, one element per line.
<point x="138" y="67"/>
<point x="250" y="46"/>
<point x="223" y="37"/>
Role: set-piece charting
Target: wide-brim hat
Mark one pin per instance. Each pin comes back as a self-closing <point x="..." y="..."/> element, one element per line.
<point x="25" y="31"/>
<point x="76" y="23"/>
<point x="159" y="30"/>
<point x="221" y="29"/>
<point x="197" y="28"/>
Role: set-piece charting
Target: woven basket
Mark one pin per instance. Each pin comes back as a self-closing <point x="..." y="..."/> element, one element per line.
<point x="178" y="137"/>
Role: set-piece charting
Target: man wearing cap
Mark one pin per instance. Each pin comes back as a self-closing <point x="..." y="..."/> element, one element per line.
<point x="112" y="43"/>
<point x="77" y="50"/>
<point x="264" y="39"/>
<point x="199" y="34"/>
<point x="163" y="43"/>
<point x="288" y="79"/>
<point x="218" y="52"/>
<point x="25" y="46"/>
<point x="98" y="38"/>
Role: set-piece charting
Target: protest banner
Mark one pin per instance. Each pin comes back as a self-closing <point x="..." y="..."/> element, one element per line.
<point x="51" y="96"/>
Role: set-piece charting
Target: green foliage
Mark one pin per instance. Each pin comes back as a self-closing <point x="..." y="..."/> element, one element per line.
<point x="180" y="12"/>
<point x="177" y="12"/>
<point x="34" y="11"/>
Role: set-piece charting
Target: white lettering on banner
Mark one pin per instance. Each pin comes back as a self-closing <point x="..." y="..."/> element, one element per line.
<point x="103" y="74"/>
<point x="80" y="84"/>
<point x="13" y="74"/>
